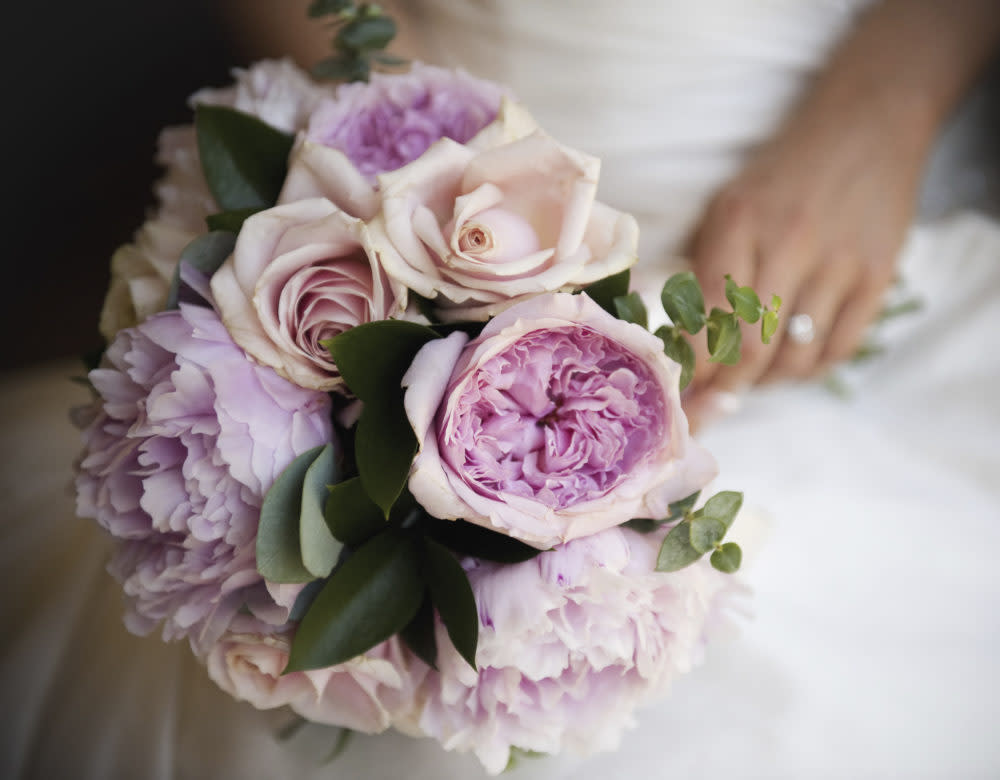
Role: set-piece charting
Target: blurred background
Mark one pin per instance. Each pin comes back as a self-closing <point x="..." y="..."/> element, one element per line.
<point x="88" y="87"/>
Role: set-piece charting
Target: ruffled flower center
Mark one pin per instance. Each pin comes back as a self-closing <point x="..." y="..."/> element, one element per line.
<point x="561" y="416"/>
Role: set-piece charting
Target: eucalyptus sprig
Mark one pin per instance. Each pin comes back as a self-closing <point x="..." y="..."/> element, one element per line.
<point x="697" y="532"/>
<point x="362" y="31"/>
<point x="684" y="304"/>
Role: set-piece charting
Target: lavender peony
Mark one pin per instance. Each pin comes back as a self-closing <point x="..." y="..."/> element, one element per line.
<point x="189" y="436"/>
<point x="393" y="119"/>
<point x="557" y="422"/>
<point x="565" y="668"/>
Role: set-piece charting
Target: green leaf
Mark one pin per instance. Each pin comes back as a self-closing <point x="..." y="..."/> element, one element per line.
<point x="604" y="291"/>
<point x="279" y="555"/>
<point x="452" y="596"/>
<point x="676" y="552"/>
<point x="724" y="337"/>
<point x="390" y="60"/>
<point x="351" y="515"/>
<point x="342" y="68"/>
<point x="366" y="33"/>
<point x="206" y="253"/>
<point x="723" y="506"/>
<point x="370" y="597"/>
<point x="631" y="309"/>
<point x="305" y="599"/>
<point x="373" y="357"/>
<point x="706" y="532"/>
<point x="320" y="550"/>
<point x="344" y="736"/>
<point x="419" y="636"/>
<point x="318" y="8"/>
<point x="683" y="302"/>
<point x="477" y="542"/>
<point x="644" y="525"/>
<point x="231" y="221"/>
<point x="384" y="448"/>
<point x="244" y="159"/>
<point x="744" y="301"/>
<point x="679" y="509"/>
<point x="727" y="558"/>
<point x="678" y="349"/>
<point x="768" y="326"/>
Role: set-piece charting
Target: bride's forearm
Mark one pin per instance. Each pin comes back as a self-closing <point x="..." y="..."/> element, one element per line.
<point x="904" y="66"/>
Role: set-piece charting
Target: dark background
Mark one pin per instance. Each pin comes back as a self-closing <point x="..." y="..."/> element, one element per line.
<point x="87" y="88"/>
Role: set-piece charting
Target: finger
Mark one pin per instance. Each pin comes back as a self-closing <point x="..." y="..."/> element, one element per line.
<point x="859" y="311"/>
<point x="723" y="244"/>
<point x="820" y="299"/>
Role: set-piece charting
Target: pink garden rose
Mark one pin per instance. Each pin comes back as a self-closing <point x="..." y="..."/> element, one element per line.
<point x="570" y="643"/>
<point x="301" y="273"/>
<point x="187" y="438"/>
<point x="477" y="229"/>
<point x="557" y="422"/>
<point x="367" y="693"/>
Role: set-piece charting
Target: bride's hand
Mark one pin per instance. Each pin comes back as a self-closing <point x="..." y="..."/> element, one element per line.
<point x="817" y="217"/>
<point x="819" y="214"/>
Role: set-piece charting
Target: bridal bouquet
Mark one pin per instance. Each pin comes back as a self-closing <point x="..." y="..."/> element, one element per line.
<point x="381" y="431"/>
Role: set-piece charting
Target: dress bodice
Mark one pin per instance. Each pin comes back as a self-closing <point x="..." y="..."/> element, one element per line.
<point x="669" y="94"/>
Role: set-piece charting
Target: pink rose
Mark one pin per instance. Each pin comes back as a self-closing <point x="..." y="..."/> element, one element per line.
<point x="366" y="693"/>
<point x="477" y="229"/>
<point x="300" y="274"/>
<point x="557" y="422"/>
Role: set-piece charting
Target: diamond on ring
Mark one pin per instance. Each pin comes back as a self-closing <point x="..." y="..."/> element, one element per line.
<point x="801" y="329"/>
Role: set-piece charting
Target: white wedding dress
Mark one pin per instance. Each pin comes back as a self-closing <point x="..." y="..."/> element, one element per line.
<point x="872" y="648"/>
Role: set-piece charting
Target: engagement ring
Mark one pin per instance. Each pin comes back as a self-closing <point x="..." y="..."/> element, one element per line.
<point x="801" y="329"/>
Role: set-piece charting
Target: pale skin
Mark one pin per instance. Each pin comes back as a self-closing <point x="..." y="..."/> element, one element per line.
<point x="819" y="213"/>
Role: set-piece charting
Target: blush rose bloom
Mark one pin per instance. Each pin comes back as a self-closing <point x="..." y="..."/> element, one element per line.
<point x="368" y="693"/>
<point x="302" y="273"/>
<point x="479" y="229"/>
<point x="557" y="422"/>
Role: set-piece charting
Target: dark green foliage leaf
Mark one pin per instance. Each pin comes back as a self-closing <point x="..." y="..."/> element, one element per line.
<point x="244" y="159"/>
<point x="389" y="60"/>
<point x="368" y="598"/>
<point x="366" y="33"/>
<point x="351" y="515"/>
<point x="706" y="532"/>
<point x="320" y="549"/>
<point x="342" y="68"/>
<point x="744" y="301"/>
<point x="678" y="349"/>
<point x="683" y="302"/>
<point x="339" y="745"/>
<point x="676" y="552"/>
<point x="723" y="506"/>
<point x="631" y="309"/>
<point x="644" y="525"/>
<point x="768" y="326"/>
<point x="384" y="448"/>
<point x="724" y="337"/>
<point x="230" y="221"/>
<point x="318" y="8"/>
<point x="206" y="253"/>
<point x="452" y="596"/>
<point x="373" y="357"/>
<point x="305" y="599"/>
<point x="476" y="541"/>
<point x="279" y="555"/>
<point x="727" y="558"/>
<point x="604" y="291"/>
<point x="419" y="633"/>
